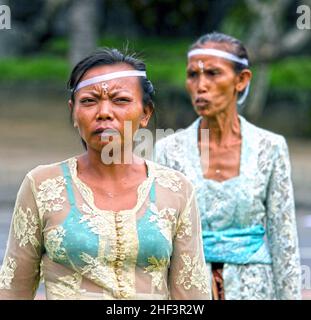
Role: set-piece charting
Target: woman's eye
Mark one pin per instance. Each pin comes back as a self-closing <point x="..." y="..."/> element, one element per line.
<point x="121" y="100"/>
<point x="191" y="74"/>
<point x="212" y="72"/>
<point x="87" y="100"/>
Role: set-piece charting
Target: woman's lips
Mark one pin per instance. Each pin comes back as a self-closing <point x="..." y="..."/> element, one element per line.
<point x="106" y="132"/>
<point x="109" y="132"/>
<point x="201" y="103"/>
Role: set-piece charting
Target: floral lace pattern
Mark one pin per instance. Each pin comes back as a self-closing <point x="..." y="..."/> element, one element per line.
<point x="168" y="179"/>
<point x="7" y="273"/>
<point x="98" y="271"/>
<point x="89" y="253"/>
<point x="193" y="274"/>
<point x="261" y="194"/>
<point x="25" y="227"/>
<point x="87" y="194"/>
<point x="96" y="221"/>
<point x="247" y="282"/>
<point x="281" y="229"/>
<point x="156" y="269"/>
<point x="49" y="196"/>
<point x="184" y="227"/>
<point x="165" y="219"/>
<point x="53" y="243"/>
<point x="66" y="287"/>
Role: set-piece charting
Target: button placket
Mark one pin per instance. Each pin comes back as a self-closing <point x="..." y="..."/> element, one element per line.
<point x="118" y="272"/>
<point x="120" y="254"/>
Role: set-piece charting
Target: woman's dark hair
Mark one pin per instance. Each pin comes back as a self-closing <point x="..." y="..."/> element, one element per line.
<point x="108" y="56"/>
<point x="235" y="47"/>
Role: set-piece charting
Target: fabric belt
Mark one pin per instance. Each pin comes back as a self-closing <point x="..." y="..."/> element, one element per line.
<point x="236" y="246"/>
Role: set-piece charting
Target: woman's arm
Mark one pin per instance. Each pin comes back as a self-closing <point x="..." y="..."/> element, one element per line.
<point x="189" y="276"/>
<point x="281" y="228"/>
<point x="20" y="271"/>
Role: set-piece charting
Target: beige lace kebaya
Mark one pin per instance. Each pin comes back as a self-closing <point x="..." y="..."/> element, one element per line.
<point x="153" y="251"/>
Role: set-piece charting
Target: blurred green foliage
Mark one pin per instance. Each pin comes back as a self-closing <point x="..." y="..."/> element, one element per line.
<point x="34" y="68"/>
<point x="291" y="73"/>
<point x="232" y="23"/>
<point x="165" y="58"/>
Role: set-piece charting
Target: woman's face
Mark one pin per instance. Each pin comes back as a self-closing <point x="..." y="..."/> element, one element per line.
<point x="107" y="105"/>
<point x="212" y="83"/>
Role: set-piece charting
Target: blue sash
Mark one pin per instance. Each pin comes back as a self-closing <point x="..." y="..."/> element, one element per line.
<point x="236" y="246"/>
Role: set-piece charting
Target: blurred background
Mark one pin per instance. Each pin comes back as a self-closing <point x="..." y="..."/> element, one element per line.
<point x="47" y="37"/>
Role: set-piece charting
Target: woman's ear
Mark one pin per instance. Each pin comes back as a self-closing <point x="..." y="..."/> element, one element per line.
<point x="147" y="113"/>
<point x="70" y="105"/>
<point x="244" y="78"/>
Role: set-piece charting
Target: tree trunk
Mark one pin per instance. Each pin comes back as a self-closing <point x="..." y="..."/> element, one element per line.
<point x="82" y="29"/>
<point x="268" y="42"/>
<point x="259" y="93"/>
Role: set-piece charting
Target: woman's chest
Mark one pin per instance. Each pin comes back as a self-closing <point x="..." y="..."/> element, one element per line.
<point x="113" y="196"/>
<point x="237" y="201"/>
<point x="90" y="237"/>
<point x="221" y="163"/>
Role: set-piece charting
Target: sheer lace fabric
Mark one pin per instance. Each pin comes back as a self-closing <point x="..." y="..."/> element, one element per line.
<point x="153" y="251"/>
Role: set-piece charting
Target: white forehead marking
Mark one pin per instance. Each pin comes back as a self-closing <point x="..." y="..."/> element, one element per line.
<point x="105" y="87"/>
<point x="201" y="66"/>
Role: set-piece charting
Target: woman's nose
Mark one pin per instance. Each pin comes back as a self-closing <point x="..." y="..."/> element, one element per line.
<point x="104" y="111"/>
<point x="203" y="83"/>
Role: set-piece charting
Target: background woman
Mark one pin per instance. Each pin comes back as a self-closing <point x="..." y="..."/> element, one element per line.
<point x="242" y="177"/>
<point x="99" y="230"/>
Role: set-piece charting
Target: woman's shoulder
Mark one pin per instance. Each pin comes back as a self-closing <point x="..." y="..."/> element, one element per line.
<point x="170" y="178"/>
<point x="44" y="172"/>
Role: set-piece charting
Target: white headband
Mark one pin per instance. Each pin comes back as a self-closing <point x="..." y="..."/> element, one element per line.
<point x="110" y="76"/>
<point x="217" y="53"/>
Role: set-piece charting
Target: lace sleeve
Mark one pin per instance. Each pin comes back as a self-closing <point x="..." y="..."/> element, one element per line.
<point x="281" y="229"/>
<point x="159" y="155"/>
<point x="189" y="277"/>
<point x="20" y="271"/>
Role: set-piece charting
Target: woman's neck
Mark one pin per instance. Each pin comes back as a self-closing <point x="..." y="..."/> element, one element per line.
<point x="92" y="162"/>
<point x="224" y="128"/>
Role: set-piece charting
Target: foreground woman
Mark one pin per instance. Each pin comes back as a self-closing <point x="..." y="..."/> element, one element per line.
<point x="101" y="229"/>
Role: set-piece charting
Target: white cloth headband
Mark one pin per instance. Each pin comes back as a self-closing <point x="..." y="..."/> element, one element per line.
<point x="110" y="76"/>
<point x="217" y="53"/>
